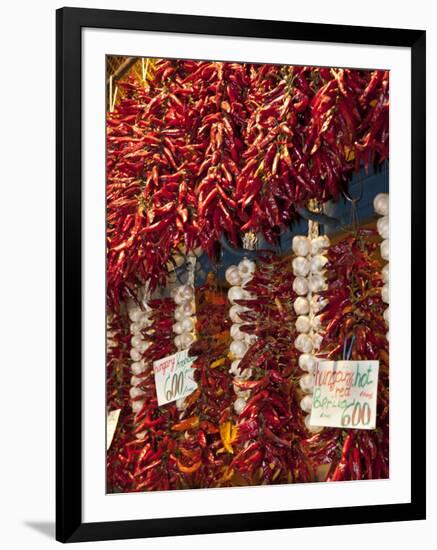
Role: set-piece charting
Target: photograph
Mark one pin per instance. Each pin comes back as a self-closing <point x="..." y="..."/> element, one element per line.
<point x="240" y="268"/>
<point x="247" y="274"/>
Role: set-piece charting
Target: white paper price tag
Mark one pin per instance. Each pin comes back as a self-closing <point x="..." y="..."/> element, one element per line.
<point x="345" y="394"/>
<point x="174" y="377"/>
<point x="111" y="425"/>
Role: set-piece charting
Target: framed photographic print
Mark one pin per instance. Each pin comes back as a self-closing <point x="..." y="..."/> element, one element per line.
<point x="240" y="256"/>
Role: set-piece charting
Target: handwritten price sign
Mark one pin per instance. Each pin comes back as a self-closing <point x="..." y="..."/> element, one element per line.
<point x="345" y="394"/>
<point x="174" y="377"/>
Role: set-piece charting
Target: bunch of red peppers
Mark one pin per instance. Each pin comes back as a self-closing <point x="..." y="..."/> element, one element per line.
<point x="142" y="460"/>
<point x="355" y="309"/>
<point x="206" y="149"/>
<point x="270" y="428"/>
<point x="117" y="395"/>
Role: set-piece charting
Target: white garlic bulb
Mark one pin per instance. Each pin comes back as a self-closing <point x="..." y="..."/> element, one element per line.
<point x="317" y="340"/>
<point x="135" y="328"/>
<point x="382" y="226"/>
<point x="301" y="266"/>
<point x="187" y="292"/>
<point x="187" y="324"/>
<point x="178" y="341"/>
<point x="179" y="299"/>
<point x="245" y="394"/>
<point x="236" y="333"/>
<point x="381" y="204"/>
<point x="312" y="429"/>
<point x="236" y="293"/>
<point x="306" y="382"/>
<point x="301" y="245"/>
<point x="246" y="268"/>
<point x="306" y="403"/>
<point x="238" y="348"/>
<point x="232" y="276"/>
<point x="177" y="328"/>
<point x="137" y="405"/>
<point x="317" y="282"/>
<point x="135" y="380"/>
<point x="319" y="243"/>
<point x="144" y="346"/>
<point x="136" y="341"/>
<point x="234" y="312"/>
<point x="385" y="249"/>
<point x="303" y="323"/>
<point x="136" y="355"/>
<point x="318" y="303"/>
<point x="301" y="306"/>
<point x="316" y="323"/>
<point x="138" y="367"/>
<point x="385" y="294"/>
<point x="385" y="272"/>
<point x="244" y="375"/>
<point x="179" y="314"/>
<point x="300" y="286"/>
<point x="188" y="308"/>
<point x="145" y="321"/>
<point x="239" y="405"/>
<point x="304" y="343"/>
<point x="318" y="262"/>
<point x="187" y="338"/>
<point x="387" y="316"/>
<point x="234" y="367"/>
<point x="250" y="339"/>
<point x="308" y="362"/>
<point x="135" y="392"/>
<point x="135" y="315"/>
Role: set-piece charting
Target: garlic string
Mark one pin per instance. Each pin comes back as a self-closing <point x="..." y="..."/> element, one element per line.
<point x="140" y="320"/>
<point x="308" y="268"/>
<point x="238" y="276"/>
<point x="185" y="316"/>
<point x="381" y="207"/>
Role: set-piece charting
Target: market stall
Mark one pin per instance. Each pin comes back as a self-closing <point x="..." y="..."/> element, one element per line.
<point x="247" y="252"/>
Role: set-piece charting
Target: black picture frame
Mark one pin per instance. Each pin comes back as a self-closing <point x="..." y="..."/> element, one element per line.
<point x="69" y="525"/>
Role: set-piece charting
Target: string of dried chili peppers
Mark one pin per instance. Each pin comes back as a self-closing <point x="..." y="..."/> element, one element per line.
<point x="355" y="308"/>
<point x="211" y="148"/>
<point x="270" y="427"/>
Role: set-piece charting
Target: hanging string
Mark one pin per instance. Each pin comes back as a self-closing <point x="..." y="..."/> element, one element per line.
<point x="354" y="208"/>
<point x="347" y="352"/>
<point x="250" y="240"/>
<point x="353" y="221"/>
<point x="313" y="226"/>
<point x="191" y="268"/>
<point x="313" y="232"/>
